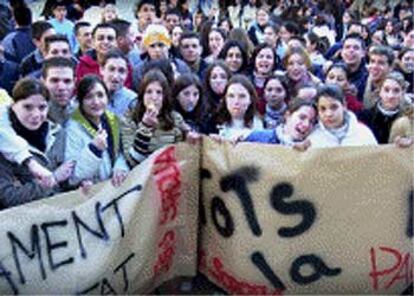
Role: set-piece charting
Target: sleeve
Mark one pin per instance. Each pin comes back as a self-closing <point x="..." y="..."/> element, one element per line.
<point x="12" y="194"/>
<point x="180" y="123"/>
<point x="87" y="162"/>
<point x="369" y="138"/>
<point x="7" y="43"/>
<point x="135" y="141"/>
<point x="13" y="147"/>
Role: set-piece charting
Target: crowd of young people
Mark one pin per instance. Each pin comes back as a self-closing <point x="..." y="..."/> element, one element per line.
<point x="86" y="100"/>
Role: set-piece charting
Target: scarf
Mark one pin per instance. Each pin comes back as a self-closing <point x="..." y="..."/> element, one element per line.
<point x="284" y="138"/>
<point x="340" y="132"/>
<point x="273" y="117"/>
<point x="35" y="138"/>
<point x="387" y="113"/>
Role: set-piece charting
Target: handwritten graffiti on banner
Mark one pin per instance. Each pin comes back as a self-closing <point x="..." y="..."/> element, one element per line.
<point x="96" y="245"/>
<point x="296" y="223"/>
<point x="44" y="246"/>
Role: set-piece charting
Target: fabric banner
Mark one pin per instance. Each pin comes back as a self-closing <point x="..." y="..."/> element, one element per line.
<point x="114" y="241"/>
<point x="273" y="220"/>
<point x="325" y="221"/>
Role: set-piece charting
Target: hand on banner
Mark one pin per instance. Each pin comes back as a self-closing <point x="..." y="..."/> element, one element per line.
<point x="217" y="138"/>
<point x="302" y="146"/>
<point x="86" y="186"/>
<point x="403" y="142"/>
<point x="119" y="177"/>
<point x="193" y="138"/>
<point x="64" y="171"/>
<point x="43" y="176"/>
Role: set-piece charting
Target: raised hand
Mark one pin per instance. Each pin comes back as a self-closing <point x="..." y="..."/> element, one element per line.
<point x="101" y="140"/>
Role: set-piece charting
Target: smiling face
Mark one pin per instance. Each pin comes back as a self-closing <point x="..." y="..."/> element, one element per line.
<point x="378" y="67"/>
<point x="95" y="102"/>
<point x="331" y="112"/>
<point x="31" y="112"/>
<point x="104" y="40"/>
<point x="391" y="94"/>
<point x="84" y="37"/>
<point x="296" y="67"/>
<point x="264" y="62"/>
<point x="300" y="123"/>
<point x="188" y="98"/>
<point x="215" y="42"/>
<point x="237" y="100"/>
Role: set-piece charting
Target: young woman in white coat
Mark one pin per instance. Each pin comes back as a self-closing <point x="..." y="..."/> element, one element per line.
<point x="337" y="126"/>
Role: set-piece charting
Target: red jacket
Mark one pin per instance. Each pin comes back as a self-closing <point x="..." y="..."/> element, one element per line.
<point x="88" y="65"/>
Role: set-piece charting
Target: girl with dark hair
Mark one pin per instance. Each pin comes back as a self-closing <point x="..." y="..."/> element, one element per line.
<point x="93" y="137"/>
<point x="264" y="64"/>
<point x="276" y="95"/>
<point x="187" y="95"/>
<point x="28" y="119"/>
<point x="337" y="126"/>
<point x="235" y="56"/>
<point x="216" y="40"/>
<point x="215" y="82"/>
<point x="153" y="123"/>
<point x="405" y="64"/>
<point x="338" y="74"/>
<point x="298" y="122"/>
<point x="237" y="113"/>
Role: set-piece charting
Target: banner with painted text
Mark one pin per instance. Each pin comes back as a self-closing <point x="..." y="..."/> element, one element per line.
<point x="113" y="241"/>
<point x="280" y="221"/>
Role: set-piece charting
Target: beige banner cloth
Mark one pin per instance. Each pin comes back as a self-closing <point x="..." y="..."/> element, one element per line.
<point x="273" y="220"/>
<point x="115" y="241"/>
<point x="325" y="221"/>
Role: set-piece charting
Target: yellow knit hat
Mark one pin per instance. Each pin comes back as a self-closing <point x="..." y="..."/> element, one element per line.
<point x="156" y="33"/>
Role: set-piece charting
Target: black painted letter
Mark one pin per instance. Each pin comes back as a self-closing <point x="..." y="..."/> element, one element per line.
<point x="50" y="245"/>
<point x="35" y="251"/>
<point x="260" y="262"/>
<point x="237" y="181"/>
<point x="305" y="208"/>
<point x="101" y="233"/>
<point x="218" y="207"/>
<point x="319" y="267"/>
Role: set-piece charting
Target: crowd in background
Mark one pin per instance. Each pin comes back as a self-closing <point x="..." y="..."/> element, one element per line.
<point x="87" y="95"/>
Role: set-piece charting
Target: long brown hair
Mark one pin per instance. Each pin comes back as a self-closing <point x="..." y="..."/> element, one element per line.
<point x="182" y="82"/>
<point x="224" y="116"/>
<point x="166" y="109"/>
